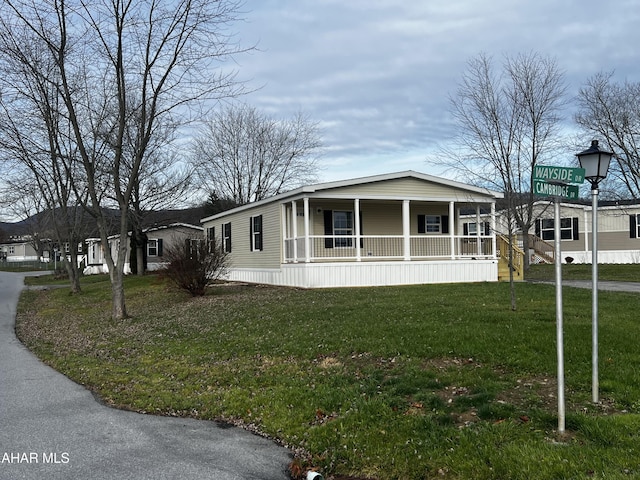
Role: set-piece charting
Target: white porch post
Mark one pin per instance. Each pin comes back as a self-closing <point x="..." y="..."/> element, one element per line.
<point x="294" y="230"/>
<point x="452" y="232"/>
<point x="356" y="210"/>
<point x="478" y="246"/>
<point x="307" y="242"/>
<point x="494" y="246"/>
<point x="283" y="221"/>
<point x="406" y="229"/>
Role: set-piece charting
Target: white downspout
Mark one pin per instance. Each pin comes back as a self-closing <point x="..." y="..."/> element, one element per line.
<point x="586" y="233"/>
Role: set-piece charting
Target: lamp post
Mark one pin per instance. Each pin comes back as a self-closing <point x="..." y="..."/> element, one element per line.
<point x="596" y="164"/>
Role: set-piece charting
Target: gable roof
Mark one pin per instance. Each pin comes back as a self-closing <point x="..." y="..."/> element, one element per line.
<point x="320" y="187"/>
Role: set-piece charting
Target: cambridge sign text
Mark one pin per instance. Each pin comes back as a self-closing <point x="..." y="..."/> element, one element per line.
<point x="555" y="190"/>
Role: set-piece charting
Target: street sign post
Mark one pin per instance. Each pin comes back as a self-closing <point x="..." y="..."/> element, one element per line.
<point x="557" y="182"/>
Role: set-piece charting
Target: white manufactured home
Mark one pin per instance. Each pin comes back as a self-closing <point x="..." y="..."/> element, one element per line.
<point x="157" y="239"/>
<point x="392" y="229"/>
<point x="618" y="231"/>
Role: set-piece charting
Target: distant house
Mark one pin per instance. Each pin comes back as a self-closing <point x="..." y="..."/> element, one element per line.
<point x="158" y="239"/>
<point x="618" y="231"/>
<point x="392" y="229"/>
<point x="18" y="250"/>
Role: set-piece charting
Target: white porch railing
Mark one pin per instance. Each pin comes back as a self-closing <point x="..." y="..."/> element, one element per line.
<point x="387" y="247"/>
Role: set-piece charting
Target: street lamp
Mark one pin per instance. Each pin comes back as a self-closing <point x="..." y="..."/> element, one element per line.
<point x="596" y="164"/>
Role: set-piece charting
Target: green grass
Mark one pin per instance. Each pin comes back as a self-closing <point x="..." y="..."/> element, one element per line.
<point x="414" y="382"/>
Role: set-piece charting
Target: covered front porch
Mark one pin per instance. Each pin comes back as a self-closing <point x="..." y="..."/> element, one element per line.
<point x="321" y="230"/>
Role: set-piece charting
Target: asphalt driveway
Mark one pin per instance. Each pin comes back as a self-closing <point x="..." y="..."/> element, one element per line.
<point x="52" y="428"/>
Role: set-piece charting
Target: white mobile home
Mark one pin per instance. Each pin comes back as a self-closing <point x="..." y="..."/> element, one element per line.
<point x="391" y="229"/>
<point x="158" y="238"/>
<point x="618" y="231"/>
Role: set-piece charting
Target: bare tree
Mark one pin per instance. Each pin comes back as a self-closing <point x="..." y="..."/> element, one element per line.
<point x="246" y="156"/>
<point x="508" y="121"/>
<point x="125" y="72"/>
<point x="611" y="111"/>
<point x="33" y="141"/>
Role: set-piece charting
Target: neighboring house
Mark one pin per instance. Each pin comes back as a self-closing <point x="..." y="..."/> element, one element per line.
<point x="399" y="228"/>
<point x="158" y="239"/>
<point x="618" y="232"/>
<point x="18" y="251"/>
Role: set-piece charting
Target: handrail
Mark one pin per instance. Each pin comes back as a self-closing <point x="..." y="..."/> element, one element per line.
<point x="517" y="262"/>
<point x="542" y="248"/>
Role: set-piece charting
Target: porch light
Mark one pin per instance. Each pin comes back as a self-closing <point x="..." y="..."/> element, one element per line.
<point x="596" y="164"/>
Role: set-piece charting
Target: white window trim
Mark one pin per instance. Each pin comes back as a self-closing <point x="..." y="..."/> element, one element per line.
<point x="152" y="244"/>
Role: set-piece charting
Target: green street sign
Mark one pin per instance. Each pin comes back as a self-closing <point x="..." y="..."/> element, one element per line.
<point x="549" y="189"/>
<point x="547" y="173"/>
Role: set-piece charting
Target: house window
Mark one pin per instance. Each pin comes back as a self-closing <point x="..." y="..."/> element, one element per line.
<point x="193" y="244"/>
<point x="470" y="228"/>
<point x="634" y="225"/>
<point x="343" y="226"/>
<point x="12" y="250"/>
<point x="433" y="223"/>
<point x="226" y="237"/>
<point x="211" y="239"/>
<point x="568" y="229"/>
<point x="152" y="248"/>
<point x="80" y="247"/>
<point x="255" y="233"/>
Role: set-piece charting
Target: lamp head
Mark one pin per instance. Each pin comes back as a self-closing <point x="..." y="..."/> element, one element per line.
<point x="595" y="163"/>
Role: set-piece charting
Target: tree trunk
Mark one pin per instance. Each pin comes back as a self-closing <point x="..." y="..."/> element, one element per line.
<point x="119" y="309"/>
<point x="140" y="259"/>
<point x="73" y="272"/>
<point x="525" y="247"/>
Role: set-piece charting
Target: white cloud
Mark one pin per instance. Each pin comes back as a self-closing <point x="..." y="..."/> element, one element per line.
<point x="377" y="74"/>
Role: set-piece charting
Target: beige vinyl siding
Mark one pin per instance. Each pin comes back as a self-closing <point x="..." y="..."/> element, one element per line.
<point x="616" y="241"/>
<point x="381" y="219"/>
<point x="241" y="255"/>
<point x="404" y="188"/>
<point x="378" y="218"/>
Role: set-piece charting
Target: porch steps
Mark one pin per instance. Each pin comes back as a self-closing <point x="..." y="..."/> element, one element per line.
<point x="517" y="263"/>
<point x="503" y="271"/>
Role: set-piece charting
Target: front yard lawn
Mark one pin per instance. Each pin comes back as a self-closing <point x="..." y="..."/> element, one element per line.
<point x="414" y="382"/>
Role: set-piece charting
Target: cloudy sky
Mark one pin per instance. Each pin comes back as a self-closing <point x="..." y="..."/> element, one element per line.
<point x="376" y="75"/>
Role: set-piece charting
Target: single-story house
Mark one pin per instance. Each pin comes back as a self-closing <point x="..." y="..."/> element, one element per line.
<point x="391" y="229"/>
<point x="158" y="238"/>
<point x="19" y="250"/>
<point x="618" y="230"/>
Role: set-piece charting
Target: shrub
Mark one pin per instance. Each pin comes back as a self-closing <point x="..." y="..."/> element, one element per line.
<point x="194" y="264"/>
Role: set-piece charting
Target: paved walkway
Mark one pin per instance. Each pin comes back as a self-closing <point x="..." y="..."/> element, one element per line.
<point x="52" y="428"/>
<point x="602" y="285"/>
